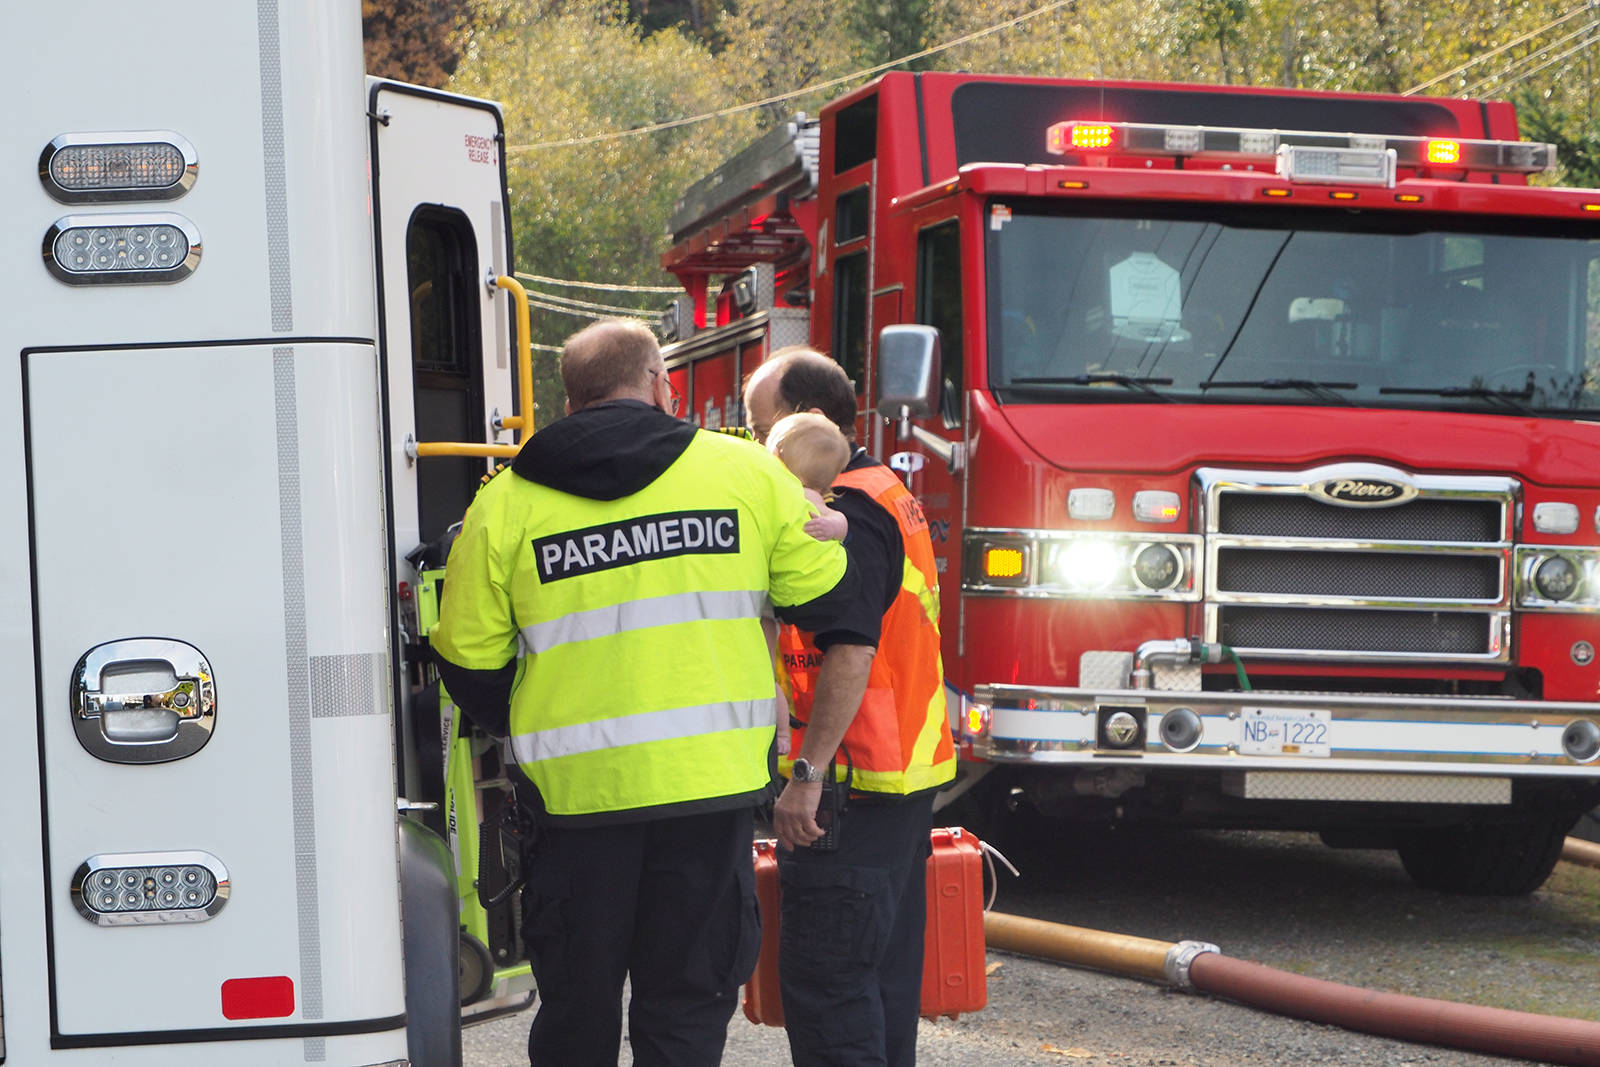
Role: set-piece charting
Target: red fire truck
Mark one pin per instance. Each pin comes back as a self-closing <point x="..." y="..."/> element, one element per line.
<point x="1256" y="431"/>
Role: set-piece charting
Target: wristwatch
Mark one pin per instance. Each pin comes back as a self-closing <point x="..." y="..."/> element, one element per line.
<point x="804" y="771"/>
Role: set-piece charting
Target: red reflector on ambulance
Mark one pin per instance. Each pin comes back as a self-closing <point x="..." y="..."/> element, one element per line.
<point x="258" y="998"/>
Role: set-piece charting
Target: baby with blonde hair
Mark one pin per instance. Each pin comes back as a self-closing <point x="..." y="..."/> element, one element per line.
<point x="815" y="450"/>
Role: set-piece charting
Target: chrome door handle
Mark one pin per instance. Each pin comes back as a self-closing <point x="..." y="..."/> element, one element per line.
<point x="143" y="700"/>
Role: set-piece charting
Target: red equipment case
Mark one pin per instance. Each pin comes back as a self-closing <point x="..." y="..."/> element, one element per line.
<point x="953" y="979"/>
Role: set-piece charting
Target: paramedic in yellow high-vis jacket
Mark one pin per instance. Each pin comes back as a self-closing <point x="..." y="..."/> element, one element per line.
<point x="602" y="606"/>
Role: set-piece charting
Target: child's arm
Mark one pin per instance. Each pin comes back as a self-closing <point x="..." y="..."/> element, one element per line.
<point x="827" y="524"/>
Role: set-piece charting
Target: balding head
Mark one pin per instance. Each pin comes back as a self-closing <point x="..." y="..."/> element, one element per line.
<point x="794" y="379"/>
<point x="611" y="359"/>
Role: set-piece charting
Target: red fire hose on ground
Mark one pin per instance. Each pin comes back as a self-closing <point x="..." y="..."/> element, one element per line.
<point x="1202" y="967"/>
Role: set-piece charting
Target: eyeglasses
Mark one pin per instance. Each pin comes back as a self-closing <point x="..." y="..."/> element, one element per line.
<point x="675" y="400"/>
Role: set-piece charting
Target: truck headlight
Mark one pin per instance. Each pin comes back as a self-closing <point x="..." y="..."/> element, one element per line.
<point x="1085" y="565"/>
<point x="1157" y="566"/>
<point x="1557" y="578"/>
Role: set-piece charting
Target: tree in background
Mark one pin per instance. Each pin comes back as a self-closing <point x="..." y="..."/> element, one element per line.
<point x="885" y="30"/>
<point x="773" y="47"/>
<point x="595" y="211"/>
<point x="698" y="17"/>
<point x="415" y="41"/>
<point x="1575" y="137"/>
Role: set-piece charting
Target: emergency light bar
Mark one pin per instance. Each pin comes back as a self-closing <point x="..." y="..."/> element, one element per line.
<point x="1354" y="156"/>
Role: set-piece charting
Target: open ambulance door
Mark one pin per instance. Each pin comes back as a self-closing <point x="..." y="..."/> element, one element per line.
<point x="442" y="230"/>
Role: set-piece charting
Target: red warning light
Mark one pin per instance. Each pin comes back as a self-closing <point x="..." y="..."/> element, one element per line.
<point x="1066" y="137"/>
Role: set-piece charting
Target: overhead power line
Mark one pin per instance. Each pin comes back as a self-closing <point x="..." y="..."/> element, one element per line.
<point x="1475" y="60"/>
<point x="592" y="311"/>
<point x="780" y="98"/>
<point x="1580" y="46"/>
<point x="587" y="305"/>
<point x="614" y="287"/>
<point x="1582" y="32"/>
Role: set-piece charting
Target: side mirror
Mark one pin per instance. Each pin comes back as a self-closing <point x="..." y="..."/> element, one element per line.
<point x="908" y="371"/>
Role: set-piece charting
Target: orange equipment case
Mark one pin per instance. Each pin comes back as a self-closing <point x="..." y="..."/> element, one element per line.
<point x="953" y="979"/>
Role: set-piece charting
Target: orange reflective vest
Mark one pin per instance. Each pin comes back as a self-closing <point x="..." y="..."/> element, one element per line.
<point x="899" y="741"/>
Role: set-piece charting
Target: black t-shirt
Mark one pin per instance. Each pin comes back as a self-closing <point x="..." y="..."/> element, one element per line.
<point x="878" y="552"/>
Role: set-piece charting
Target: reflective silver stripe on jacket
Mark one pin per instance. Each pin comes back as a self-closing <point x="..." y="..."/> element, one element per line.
<point x="641" y="615"/>
<point x="646" y="726"/>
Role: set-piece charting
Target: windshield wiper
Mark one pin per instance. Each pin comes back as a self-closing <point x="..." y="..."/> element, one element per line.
<point x="1507" y="397"/>
<point x="1141" y="383"/>
<point x="1321" y="390"/>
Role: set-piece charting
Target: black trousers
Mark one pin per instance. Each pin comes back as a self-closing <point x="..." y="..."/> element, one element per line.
<point x="850" y="947"/>
<point x="670" y="904"/>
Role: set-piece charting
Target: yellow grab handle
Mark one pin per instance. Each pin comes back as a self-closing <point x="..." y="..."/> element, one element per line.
<point x="464" y="448"/>
<point x="523" y="419"/>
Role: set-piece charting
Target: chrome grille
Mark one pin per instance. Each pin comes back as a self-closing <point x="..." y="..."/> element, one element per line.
<point x="1294" y="574"/>
<point x="1423" y="633"/>
<point x="1385" y="575"/>
<point x="1424" y="519"/>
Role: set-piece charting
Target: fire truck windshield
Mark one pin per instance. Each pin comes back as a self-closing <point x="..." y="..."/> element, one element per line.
<point x="1234" y="305"/>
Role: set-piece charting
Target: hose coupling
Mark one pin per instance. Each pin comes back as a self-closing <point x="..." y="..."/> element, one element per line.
<point x="1180" y="957"/>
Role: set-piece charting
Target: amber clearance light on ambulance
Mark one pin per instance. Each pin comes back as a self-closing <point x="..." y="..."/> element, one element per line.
<point x="78" y="168"/>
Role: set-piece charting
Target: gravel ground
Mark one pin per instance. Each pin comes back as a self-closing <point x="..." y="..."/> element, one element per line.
<point x="1279" y="899"/>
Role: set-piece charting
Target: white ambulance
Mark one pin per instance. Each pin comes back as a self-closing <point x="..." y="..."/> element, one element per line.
<point x="247" y="294"/>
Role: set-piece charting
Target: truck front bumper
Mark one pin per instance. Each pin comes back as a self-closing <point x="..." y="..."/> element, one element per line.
<point x="1274" y="731"/>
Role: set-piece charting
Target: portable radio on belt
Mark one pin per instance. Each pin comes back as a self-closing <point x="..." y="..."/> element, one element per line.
<point x="830" y="806"/>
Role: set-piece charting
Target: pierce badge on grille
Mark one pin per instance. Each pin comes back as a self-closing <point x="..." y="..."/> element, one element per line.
<point x="1363" y="492"/>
